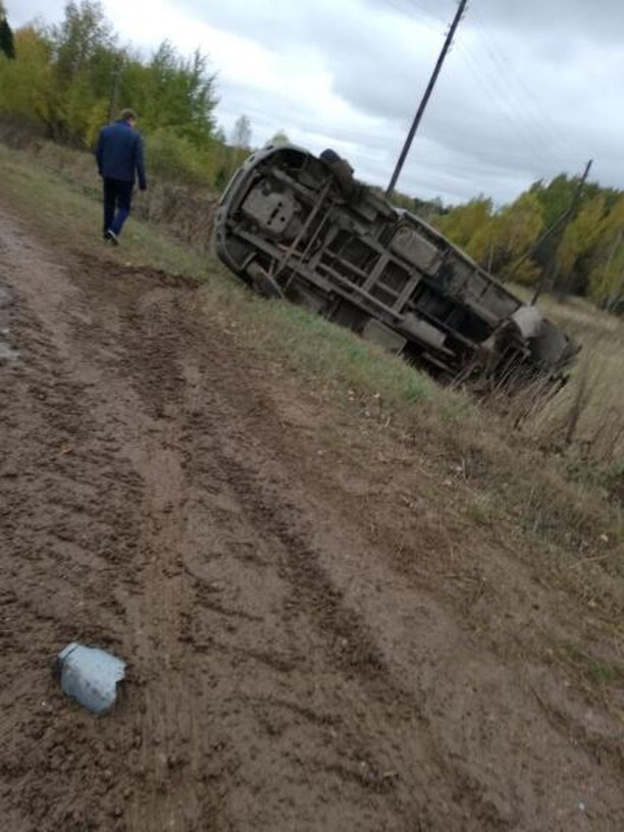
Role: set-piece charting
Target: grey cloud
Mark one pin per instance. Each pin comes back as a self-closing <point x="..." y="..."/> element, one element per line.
<point x="529" y="89"/>
<point x="512" y="104"/>
<point x="21" y="12"/>
<point x="599" y="20"/>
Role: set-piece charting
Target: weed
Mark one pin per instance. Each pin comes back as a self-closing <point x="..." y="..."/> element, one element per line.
<point x="598" y="671"/>
<point x="481" y="510"/>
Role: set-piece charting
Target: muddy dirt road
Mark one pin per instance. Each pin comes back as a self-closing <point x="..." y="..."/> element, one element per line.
<point x="315" y="641"/>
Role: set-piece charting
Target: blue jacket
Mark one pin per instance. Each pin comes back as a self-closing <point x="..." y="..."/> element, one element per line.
<point x="119" y="153"/>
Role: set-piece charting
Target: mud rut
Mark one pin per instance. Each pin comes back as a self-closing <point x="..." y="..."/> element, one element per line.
<point x="164" y="495"/>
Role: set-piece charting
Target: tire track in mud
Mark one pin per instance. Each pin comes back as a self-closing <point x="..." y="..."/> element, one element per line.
<point x="158" y="603"/>
<point x="255" y="552"/>
<point x="158" y="506"/>
<point x="65" y="533"/>
<point x="248" y="472"/>
<point x="341" y="635"/>
<point x="381" y="708"/>
<point x="344" y="637"/>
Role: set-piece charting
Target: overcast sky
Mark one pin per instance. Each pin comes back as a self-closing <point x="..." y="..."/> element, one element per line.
<point x="530" y="88"/>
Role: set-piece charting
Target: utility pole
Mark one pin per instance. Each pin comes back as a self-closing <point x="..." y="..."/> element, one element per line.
<point x="426" y="97"/>
<point x="563" y="221"/>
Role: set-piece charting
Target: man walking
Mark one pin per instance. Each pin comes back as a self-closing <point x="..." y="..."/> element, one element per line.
<point x="119" y="155"/>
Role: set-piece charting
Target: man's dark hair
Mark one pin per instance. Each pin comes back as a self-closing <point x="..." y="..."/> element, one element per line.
<point x="128" y="115"/>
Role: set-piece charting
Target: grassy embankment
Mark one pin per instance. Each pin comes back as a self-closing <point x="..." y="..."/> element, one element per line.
<point x="545" y="479"/>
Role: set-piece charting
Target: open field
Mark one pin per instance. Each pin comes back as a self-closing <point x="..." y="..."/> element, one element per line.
<point x="349" y="599"/>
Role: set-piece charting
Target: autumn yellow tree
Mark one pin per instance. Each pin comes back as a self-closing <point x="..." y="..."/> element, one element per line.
<point x="26" y="83"/>
<point x="579" y="248"/>
<point x="464" y="222"/>
<point x="516" y="228"/>
<point x="606" y="278"/>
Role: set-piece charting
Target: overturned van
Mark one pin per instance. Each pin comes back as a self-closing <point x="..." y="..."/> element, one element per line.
<point x="299" y="226"/>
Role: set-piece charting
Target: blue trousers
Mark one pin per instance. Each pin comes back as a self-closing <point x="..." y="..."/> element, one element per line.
<point x="117" y="199"/>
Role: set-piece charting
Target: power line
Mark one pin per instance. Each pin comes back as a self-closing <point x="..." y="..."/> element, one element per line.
<point x="410" y="11"/>
<point x="514" y="101"/>
<point x="495" y="91"/>
<point x="528" y="100"/>
<point x="400" y="5"/>
<point x="437" y="17"/>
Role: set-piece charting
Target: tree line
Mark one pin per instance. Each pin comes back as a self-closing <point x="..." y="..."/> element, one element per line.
<point x="71" y="78"/>
<point x="546" y="238"/>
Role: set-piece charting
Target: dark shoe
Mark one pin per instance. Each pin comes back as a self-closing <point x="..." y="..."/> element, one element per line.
<point x="112" y="237"/>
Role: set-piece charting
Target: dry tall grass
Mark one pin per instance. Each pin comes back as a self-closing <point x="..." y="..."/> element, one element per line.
<point x="586" y="419"/>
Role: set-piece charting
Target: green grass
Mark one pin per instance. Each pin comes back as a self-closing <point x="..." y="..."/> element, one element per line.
<point x="318" y="349"/>
<point x="74" y="214"/>
<point x="597" y="671"/>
